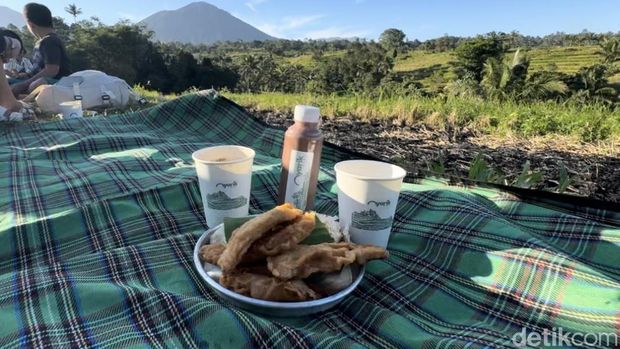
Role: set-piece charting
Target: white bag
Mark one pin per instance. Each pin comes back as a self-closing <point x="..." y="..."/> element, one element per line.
<point x="92" y="87"/>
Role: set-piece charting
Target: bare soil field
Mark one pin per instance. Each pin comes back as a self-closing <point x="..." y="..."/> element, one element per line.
<point x="594" y="170"/>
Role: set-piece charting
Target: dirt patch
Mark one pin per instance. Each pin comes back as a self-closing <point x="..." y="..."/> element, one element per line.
<point x="594" y="170"/>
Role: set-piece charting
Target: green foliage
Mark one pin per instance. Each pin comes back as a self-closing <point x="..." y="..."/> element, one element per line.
<point x="480" y="170"/>
<point x="121" y="50"/>
<point x="361" y="69"/>
<point x="262" y="73"/>
<point x="392" y="39"/>
<point x="473" y="54"/>
<point x="73" y="10"/>
<point x="500" y="80"/>
<point x="466" y="86"/>
<point x="592" y="84"/>
<point x="543" y="86"/>
<point x="437" y="167"/>
<point x="565" y="180"/>
<point x="610" y="50"/>
<point x="528" y="178"/>
<point x="502" y="117"/>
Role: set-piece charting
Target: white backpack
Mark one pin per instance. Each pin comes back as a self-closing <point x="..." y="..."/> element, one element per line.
<point x="92" y="87"/>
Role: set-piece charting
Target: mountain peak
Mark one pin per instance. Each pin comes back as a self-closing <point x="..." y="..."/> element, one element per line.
<point x="10" y="16"/>
<point x="199" y="4"/>
<point x="201" y="23"/>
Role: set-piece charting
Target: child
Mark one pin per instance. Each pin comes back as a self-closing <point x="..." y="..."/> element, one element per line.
<point x="18" y="68"/>
<point x="49" y="56"/>
<point x="10" y="108"/>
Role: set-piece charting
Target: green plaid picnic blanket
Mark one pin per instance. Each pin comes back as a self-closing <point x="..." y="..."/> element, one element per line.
<point x="99" y="217"/>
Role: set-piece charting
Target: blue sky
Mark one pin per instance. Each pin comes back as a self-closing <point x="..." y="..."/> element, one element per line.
<point x="299" y="19"/>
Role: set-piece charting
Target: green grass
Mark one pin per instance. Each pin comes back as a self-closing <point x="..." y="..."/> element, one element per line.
<point x="589" y="122"/>
<point x="307" y="61"/>
<point x="416" y="60"/>
<point x="567" y="59"/>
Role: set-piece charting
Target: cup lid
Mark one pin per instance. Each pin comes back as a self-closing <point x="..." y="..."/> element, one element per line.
<point x="223" y="154"/>
<point x="370" y="170"/>
<point x="307" y="113"/>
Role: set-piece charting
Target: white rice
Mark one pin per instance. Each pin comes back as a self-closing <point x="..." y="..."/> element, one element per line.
<point x="333" y="227"/>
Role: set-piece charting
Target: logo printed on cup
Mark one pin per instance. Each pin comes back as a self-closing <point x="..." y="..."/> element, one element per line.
<point x="220" y="201"/>
<point x="379" y="203"/>
<point x="370" y="220"/>
<point x="227" y="185"/>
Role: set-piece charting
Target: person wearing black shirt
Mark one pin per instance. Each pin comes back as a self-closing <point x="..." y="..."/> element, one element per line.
<point x="49" y="56"/>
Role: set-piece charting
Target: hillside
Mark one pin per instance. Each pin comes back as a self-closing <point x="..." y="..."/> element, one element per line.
<point x="431" y="67"/>
<point x="10" y="16"/>
<point x="201" y="23"/>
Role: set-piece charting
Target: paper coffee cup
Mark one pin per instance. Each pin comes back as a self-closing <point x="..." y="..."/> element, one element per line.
<point x="71" y="110"/>
<point x="367" y="196"/>
<point x="225" y="179"/>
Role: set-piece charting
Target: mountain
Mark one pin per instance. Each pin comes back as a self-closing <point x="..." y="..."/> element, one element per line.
<point x="9" y="16"/>
<point x="201" y="23"/>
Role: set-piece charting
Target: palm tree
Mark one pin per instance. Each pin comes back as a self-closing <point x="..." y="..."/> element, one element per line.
<point x="543" y="85"/>
<point x="610" y="50"/>
<point x="74" y="11"/>
<point x="499" y="79"/>
<point x="502" y="80"/>
<point x="595" y="85"/>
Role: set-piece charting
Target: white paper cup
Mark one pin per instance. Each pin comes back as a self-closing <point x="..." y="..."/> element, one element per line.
<point x="225" y="179"/>
<point x="71" y="110"/>
<point x="367" y="197"/>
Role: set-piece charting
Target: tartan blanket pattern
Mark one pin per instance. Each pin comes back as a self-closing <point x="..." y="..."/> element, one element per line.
<point x="99" y="216"/>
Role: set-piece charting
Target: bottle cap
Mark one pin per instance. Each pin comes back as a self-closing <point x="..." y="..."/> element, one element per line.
<point x="307" y="113"/>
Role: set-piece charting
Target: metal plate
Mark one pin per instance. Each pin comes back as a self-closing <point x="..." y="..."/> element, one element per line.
<point x="270" y="308"/>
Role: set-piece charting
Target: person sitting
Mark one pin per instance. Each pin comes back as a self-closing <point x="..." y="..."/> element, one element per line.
<point x="10" y="107"/>
<point x="49" y="56"/>
<point x="18" y="68"/>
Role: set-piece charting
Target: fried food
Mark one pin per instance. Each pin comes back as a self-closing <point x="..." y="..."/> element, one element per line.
<point x="304" y="260"/>
<point x="327" y="284"/>
<point x="264" y="259"/>
<point x="244" y="236"/>
<point x="267" y="287"/>
<point x="211" y="253"/>
<point x="287" y="237"/>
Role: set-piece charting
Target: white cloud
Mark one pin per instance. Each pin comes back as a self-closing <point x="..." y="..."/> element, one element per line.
<point x="129" y="16"/>
<point x="271" y="29"/>
<point x="253" y="3"/>
<point x="287" y="24"/>
<point x="301" y="21"/>
<point x="336" y="32"/>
